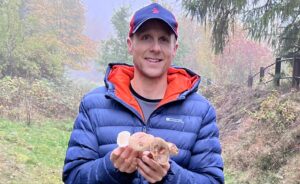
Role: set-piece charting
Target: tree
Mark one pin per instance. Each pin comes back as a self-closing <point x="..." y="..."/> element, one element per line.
<point x="64" y="20"/>
<point x="276" y="21"/>
<point x="38" y="38"/>
<point x="11" y="34"/>
<point x="240" y="58"/>
<point x="114" y="49"/>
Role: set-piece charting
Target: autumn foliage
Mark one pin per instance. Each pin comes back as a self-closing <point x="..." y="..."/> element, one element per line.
<point x="240" y="58"/>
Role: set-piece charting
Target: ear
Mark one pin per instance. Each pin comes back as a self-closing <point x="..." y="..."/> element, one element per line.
<point x="129" y="45"/>
<point x="175" y="48"/>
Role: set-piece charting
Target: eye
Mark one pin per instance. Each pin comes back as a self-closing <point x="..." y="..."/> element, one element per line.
<point x="145" y="37"/>
<point x="165" y="39"/>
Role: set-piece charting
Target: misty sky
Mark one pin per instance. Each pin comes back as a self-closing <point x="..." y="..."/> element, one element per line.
<point x="99" y="13"/>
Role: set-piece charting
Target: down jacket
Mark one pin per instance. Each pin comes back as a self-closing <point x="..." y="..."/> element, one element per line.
<point x="183" y="117"/>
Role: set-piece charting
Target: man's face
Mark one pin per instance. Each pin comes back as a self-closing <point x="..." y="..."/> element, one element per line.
<point x="153" y="48"/>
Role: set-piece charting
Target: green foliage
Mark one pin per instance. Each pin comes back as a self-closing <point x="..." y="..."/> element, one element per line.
<point x="33" y="154"/>
<point x="38" y="58"/>
<point x="38" y="38"/>
<point x="115" y="49"/>
<point x="276" y="21"/>
<point x="219" y="12"/>
<point x="279" y="113"/>
<point x="36" y="100"/>
<point x="11" y="35"/>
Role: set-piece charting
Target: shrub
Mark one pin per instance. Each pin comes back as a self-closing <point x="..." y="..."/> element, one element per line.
<point x="277" y="111"/>
<point x="25" y="100"/>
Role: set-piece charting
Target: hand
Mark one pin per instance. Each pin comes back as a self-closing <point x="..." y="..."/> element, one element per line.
<point x="124" y="159"/>
<point x="151" y="170"/>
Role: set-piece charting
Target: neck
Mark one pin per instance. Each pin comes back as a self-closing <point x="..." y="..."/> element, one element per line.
<point x="150" y="88"/>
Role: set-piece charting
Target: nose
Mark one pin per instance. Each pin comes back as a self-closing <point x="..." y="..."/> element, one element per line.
<point x="156" y="46"/>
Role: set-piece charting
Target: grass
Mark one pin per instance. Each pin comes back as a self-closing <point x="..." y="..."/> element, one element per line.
<point x="229" y="177"/>
<point x="32" y="154"/>
<point x="35" y="154"/>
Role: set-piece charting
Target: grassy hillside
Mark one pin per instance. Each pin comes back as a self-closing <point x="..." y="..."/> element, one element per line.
<point x="260" y="134"/>
<point x="32" y="154"/>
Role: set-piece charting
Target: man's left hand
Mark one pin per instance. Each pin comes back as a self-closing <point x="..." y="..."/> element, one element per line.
<point x="151" y="170"/>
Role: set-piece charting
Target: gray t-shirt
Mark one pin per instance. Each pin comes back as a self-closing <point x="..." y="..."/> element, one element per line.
<point x="147" y="105"/>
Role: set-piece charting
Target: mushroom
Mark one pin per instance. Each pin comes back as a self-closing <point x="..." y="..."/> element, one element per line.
<point x="160" y="149"/>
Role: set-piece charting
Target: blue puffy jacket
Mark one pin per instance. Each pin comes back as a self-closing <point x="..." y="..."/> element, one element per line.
<point x="183" y="117"/>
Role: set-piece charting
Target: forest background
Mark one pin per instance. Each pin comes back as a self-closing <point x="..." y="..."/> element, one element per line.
<point x="49" y="58"/>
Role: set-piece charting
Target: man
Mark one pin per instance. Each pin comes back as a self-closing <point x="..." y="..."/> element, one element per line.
<point x="152" y="97"/>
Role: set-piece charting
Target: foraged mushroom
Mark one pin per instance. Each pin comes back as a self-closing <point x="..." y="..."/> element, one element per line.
<point x="160" y="149"/>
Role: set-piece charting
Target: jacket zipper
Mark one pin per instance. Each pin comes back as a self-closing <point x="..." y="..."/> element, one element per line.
<point x="145" y="125"/>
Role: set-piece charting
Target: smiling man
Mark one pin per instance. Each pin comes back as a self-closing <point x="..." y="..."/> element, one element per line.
<point x="152" y="97"/>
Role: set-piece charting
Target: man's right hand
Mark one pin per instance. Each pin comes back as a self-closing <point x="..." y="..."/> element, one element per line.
<point x="124" y="159"/>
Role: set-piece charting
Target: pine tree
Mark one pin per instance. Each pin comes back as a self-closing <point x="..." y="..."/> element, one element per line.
<point x="276" y="21"/>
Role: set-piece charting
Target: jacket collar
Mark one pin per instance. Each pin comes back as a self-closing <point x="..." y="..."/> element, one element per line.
<point x="181" y="82"/>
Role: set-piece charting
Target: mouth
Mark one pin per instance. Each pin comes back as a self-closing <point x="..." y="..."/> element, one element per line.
<point x="153" y="60"/>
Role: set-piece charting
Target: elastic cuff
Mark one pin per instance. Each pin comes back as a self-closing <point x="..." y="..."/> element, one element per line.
<point x="171" y="173"/>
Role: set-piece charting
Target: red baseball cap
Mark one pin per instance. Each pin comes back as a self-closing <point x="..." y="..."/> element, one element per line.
<point x="153" y="11"/>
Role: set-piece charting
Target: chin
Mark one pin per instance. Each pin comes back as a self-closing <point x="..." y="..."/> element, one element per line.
<point x="153" y="75"/>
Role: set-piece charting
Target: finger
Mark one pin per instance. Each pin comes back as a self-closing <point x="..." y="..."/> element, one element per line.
<point x="133" y="167"/>
<point x="148" y="154"/>
<point x="116" y="153"/>
<point x="166" y="166"/>
<point x="140" y="155"/>
<point x="152" y="163"/>
<point x="133" y="154"/>
<point x="158" y="169"/>
<point x="129" y="166"/>
<point x="122" y="166"/>
<point x="148" y="177"/>
<point x="125" y="159"/>
<point x="147" y="170"/>
<point x="125" y="153"/>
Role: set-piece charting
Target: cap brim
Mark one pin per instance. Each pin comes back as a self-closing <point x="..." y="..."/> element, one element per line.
<point x="150" y="18"/>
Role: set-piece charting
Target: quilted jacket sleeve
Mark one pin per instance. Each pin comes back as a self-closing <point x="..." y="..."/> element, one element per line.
<point x="83" y="163"/>
<point x="206" y="164"/>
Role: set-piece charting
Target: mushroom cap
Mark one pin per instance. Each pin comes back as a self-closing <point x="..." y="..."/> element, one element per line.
<point x="140" y="141"/>
<point x="123" y="138"/>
